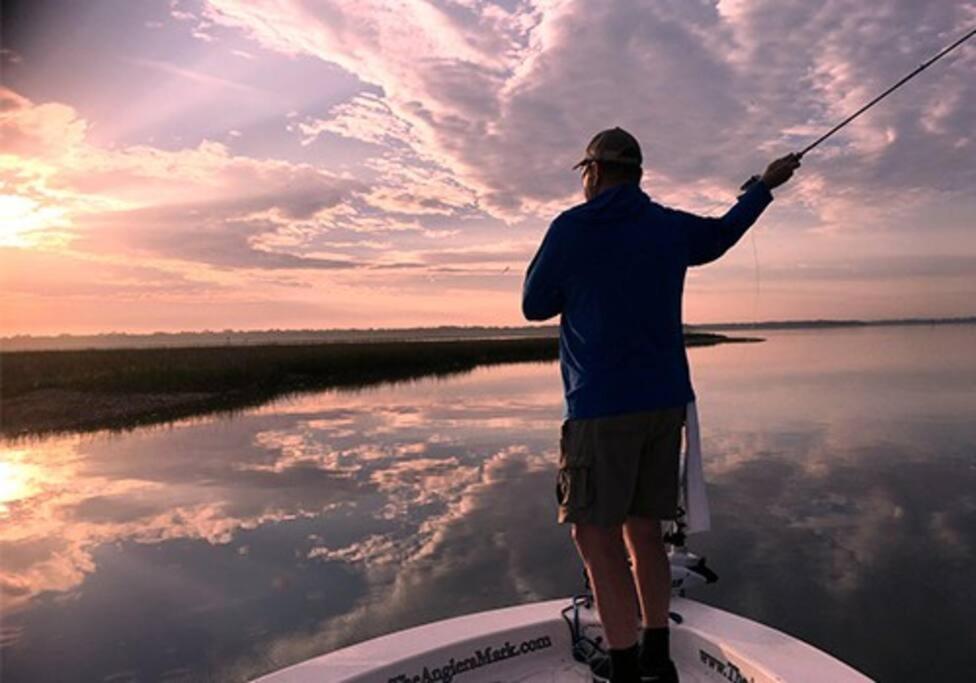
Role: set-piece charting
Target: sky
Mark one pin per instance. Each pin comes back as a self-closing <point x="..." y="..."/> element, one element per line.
<point x="171" y="165"/>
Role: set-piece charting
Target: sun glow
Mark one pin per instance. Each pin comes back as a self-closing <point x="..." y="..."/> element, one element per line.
<point x="16" y="479"/>
<point x="22" y="217"/>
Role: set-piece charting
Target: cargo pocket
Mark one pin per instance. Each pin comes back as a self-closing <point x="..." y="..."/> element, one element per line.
<point x="574" y="481"/>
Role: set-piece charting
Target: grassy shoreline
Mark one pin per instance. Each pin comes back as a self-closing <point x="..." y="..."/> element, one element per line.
<point x="45" y="392"/>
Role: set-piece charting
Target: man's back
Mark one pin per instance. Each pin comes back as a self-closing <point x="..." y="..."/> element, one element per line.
<point x="614" y="267"/>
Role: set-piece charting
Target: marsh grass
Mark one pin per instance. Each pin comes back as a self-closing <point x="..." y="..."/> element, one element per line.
<point x="263" y="368"/>
<point x="46" y="391"/>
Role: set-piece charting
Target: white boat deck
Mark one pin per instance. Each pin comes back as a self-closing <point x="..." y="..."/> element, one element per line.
<point x="533" y="644"/>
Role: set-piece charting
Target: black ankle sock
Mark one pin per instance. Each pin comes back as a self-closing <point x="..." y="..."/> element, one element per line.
<point x="625" y="665"/>
<point x="654" y="646"/>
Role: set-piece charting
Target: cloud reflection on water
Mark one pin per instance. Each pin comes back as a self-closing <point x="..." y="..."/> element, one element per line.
<point x="208" y="479"/>
<point x="254" y="541"/>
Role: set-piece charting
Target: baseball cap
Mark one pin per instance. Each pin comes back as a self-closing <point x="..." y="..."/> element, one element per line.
<point x="613" y="144"/>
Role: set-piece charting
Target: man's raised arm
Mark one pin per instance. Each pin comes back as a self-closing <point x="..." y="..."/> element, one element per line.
<point x="709" y="238"/>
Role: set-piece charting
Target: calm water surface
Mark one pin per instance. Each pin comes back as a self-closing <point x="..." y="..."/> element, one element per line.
<point x="842" y="475"/>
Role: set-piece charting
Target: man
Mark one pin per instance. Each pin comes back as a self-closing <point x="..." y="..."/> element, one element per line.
<point x="614" y="268"/>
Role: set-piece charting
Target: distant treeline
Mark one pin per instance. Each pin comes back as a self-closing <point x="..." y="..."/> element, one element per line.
<point x="444" y="332"/>
<point x="806" y="324"/>
<point x="266" y="337"/>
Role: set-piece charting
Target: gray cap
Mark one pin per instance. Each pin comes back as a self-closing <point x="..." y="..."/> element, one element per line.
<point x="613" y="144"/>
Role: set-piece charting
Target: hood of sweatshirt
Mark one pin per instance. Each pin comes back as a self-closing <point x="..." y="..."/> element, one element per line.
<point x="615" y="203"/>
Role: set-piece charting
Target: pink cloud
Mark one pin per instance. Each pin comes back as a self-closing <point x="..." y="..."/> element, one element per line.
<point x="473" y="114"/>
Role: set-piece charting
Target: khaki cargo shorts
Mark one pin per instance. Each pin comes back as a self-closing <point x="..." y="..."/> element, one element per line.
<point x="621" y="465"/>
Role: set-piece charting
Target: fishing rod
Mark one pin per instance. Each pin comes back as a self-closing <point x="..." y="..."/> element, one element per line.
<point x="922" y="67"/>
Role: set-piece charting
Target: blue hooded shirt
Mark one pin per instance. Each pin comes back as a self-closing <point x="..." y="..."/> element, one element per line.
<point x="614" y="268"/>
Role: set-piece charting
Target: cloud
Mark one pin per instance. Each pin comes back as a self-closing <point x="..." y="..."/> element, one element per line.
<point x="461" y="259"/>
<point x="856" y="55"/>
<point x="439" y="66"/>
<point x="500" y="97"/>
<point x="386" y="144"/>
<point x="365" y="117"/>
<point x="867" y="268"/>
<point x="214" y="220"/>
<point x="68" y="276"/>
<point x="201" y="204"/>
<point x="409" y="468"/>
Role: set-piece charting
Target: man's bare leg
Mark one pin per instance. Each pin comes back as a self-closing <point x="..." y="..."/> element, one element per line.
<point x="605" y="557"/>
<point x="652" y="572"/>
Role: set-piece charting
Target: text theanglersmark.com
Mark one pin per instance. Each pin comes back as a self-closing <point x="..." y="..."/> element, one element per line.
<point x="486" y="656"/>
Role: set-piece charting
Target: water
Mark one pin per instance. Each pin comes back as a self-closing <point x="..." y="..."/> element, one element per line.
<point x="842" y="474"/>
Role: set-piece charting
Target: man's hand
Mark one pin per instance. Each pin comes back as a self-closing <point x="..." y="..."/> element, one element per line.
<point x="781" y="170"/>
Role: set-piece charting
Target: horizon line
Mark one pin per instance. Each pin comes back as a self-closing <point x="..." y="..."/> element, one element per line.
<point x="792" y="322"/>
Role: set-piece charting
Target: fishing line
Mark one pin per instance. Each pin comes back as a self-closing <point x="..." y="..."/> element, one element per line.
<point x="924" y="65"/>
<point x="755" y="298"/>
